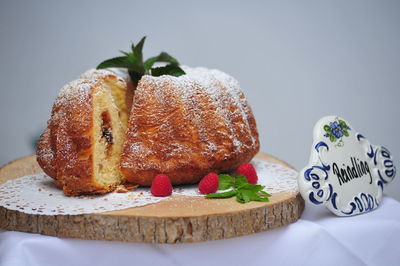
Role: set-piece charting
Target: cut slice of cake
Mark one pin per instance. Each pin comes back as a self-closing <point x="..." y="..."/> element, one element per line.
<point x="81" y="147"/>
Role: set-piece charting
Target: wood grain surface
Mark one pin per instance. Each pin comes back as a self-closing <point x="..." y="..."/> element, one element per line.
<point x="175" y="220"/>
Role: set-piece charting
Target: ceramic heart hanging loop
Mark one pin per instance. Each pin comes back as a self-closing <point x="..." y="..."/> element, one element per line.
<point x="345" y="172"/>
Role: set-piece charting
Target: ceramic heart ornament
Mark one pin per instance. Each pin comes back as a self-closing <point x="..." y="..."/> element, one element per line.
<point x="345" y="172"/>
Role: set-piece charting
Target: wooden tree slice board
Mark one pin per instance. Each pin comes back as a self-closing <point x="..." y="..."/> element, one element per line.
<point x="177" y="219"/>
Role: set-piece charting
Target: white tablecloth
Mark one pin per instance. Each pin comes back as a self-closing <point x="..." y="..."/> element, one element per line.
<point x="318" y="238"/>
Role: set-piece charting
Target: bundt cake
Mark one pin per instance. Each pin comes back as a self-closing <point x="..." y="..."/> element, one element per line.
<point x="138" y="119"/>
<point x="142" y="119"/>
<point x="98" y="136"/>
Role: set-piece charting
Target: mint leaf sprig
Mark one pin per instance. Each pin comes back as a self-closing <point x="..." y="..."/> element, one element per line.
<point x="133" y="61"/>
<point x="241" y="188"/>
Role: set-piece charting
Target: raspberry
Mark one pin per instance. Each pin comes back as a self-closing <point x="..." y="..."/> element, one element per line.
<point x="161" y="186"/>
<point x="209" y="184"/>
<point x="249" y="172"/>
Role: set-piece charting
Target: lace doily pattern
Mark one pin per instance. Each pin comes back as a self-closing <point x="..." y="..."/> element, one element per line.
<point x="37" y="194"/>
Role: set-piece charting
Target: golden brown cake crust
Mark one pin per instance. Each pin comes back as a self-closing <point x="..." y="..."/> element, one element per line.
<point x="184" y="127"/>
<point x="65" y="147"/>
<point x="187" y="127"/>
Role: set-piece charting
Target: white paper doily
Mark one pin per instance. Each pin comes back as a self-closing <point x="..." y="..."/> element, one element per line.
<point x="37" y="194"/>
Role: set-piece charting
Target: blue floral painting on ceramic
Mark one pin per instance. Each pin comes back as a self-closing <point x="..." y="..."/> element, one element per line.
<point x="336" y="130"/>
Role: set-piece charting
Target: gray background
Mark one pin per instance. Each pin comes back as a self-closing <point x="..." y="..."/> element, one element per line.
<point x="296" y="61"/>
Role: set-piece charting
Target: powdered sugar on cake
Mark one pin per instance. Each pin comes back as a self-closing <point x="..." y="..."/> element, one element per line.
<point x="79" y="90"/>
<point x="225" y="95"/>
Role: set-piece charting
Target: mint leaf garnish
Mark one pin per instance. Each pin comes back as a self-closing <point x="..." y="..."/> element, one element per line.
<point x="227" y="194"/>
<point x="171" y="70"/>
<point x="254" y="188"/>
<point x="265" y="193"/>
<point x="163" y="57"/>
<point x="133" y="61"/>
<point x="138" y="50"/>
<point x="240" y="180"/>
<point x="225" y="181"/>
<point x="122" y="61"/>
<point x="248" y="195"/>
<point x="241" y="188"/>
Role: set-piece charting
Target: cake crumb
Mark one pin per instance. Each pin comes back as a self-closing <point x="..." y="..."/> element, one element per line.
<point x="121" y="189"/>
<point x="130" y="186"/>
